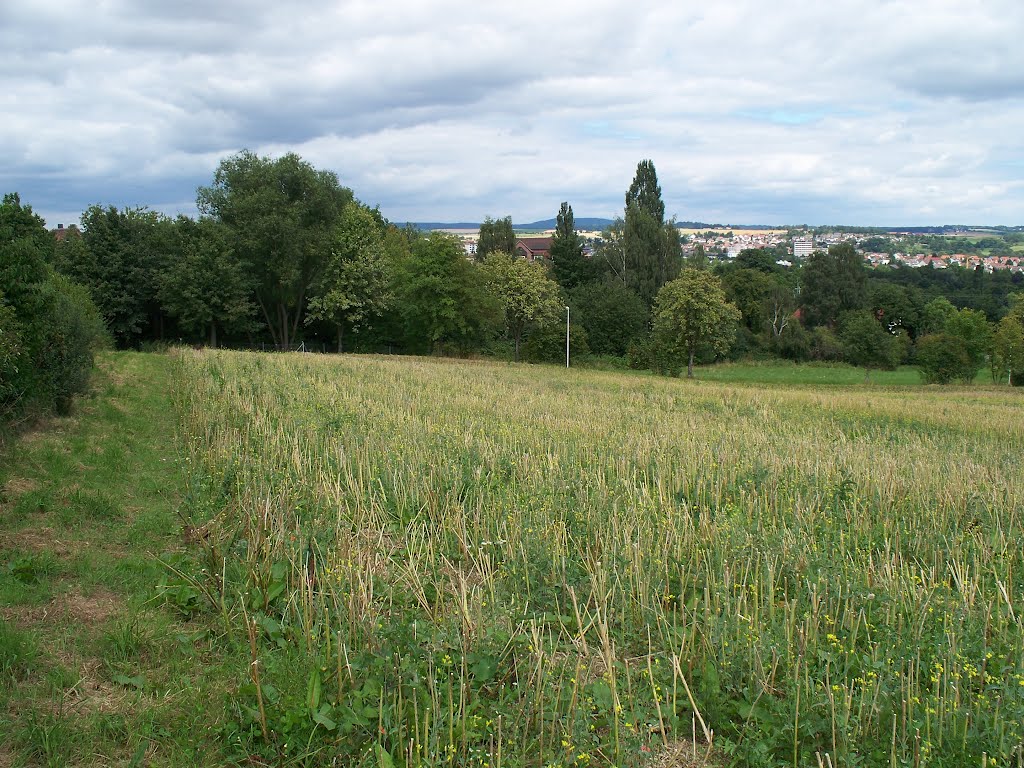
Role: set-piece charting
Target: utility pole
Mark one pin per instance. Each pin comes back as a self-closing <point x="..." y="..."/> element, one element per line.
<point x="566" y="337"/>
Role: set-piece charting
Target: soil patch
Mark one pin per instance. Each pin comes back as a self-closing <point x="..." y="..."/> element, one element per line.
<point x="16" y="486"/>
<point x="92" y="694"/>
<point x="72" y="606"/>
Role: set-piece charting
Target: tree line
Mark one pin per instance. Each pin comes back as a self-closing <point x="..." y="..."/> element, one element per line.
<point x="282" y="255"/>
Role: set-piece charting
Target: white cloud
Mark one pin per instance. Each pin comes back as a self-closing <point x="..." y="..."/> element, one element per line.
<point x="857" y="110"/>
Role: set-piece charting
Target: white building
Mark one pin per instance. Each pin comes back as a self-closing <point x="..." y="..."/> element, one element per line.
<point x="802" y="247"/>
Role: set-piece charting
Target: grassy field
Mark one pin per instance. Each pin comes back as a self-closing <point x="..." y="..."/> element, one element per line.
<point x="415" y="562"/>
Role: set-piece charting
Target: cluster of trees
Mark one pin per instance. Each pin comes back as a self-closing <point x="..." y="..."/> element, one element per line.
<point x="49" y="327"/>
<point x="283" y="254"/>
<point x="834" y="309"/>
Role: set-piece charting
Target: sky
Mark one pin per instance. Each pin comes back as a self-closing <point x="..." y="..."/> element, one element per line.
<point x="861" y="112"/>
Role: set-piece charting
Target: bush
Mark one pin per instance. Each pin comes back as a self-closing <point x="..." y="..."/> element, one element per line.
<point x="825" y="346"/>
<point x="794" y="343"/>
<point x="646" y="354"/>
<point x="547" y="344"/>
<point x="73" y="332"/>
<point x="49" y="327"/>
<point x="943" y="358"/>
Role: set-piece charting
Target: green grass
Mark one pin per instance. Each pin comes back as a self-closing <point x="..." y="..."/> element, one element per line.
<point x="781" y="373"/>
<point x="93" y="669"/>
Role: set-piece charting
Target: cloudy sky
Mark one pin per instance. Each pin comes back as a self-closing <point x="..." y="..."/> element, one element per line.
<point x="796" y="111"/>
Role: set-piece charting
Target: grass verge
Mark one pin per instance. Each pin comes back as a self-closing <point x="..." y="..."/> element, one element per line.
<point x="93" y="668"/>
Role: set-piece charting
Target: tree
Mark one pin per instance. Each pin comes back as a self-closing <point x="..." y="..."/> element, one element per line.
<point x="495" y="236"/>
<point x="355" y="287"/>
<point x="528" y="296"/>
<point x="569" y="267"/>
<point x="748" y="289"/>
<point x="611" y="252"/>
<point x="651" y="251"/>
<point x="49" y="327"/>
<point x="691" y="313"/>
<point x="895" y="305"/>
<point x="644" y="194"/>
<point x="1008" y="344"/>
<point x="867" y="344"/>
<point x="698" y="259"/>
<point x="120" y="258"/>
<point x="443" y="299"/>
<point x="612" y="315"/>
<point x="973" y="328"/>
<point x="935" y="315"/>
<point x="779" y="308"/>
<point x="208" y="287"/>
<point x="831" y="284"/>
<point x="281" y="215"/>
<point x="943" y="358"/>
<point x="757" y="258"/>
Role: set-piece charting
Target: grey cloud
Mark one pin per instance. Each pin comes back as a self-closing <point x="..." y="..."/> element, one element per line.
<point x="454" y="109"/>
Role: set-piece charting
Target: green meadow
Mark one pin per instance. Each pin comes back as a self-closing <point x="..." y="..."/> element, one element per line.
<point x="234" y="558"/>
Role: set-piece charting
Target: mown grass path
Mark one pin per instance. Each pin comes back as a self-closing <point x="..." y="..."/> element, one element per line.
<point x="93" y="670"/>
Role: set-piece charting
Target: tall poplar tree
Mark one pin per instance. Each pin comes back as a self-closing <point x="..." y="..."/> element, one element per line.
<point x="651" y="245"/>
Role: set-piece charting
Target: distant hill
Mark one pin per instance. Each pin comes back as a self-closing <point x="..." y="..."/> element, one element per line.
<point x="581" y="223"/>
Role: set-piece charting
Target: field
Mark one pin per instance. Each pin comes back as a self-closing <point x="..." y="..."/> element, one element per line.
<point x="391" y="561"/>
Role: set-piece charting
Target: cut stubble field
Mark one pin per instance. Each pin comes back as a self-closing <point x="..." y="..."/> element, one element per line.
<point x="430" y="562"/>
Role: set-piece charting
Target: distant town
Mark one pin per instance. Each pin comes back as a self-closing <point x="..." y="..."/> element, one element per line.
<point x="981" y="248"/>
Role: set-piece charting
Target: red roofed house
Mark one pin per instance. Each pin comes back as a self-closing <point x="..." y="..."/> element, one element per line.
<point x="534" y="248"/>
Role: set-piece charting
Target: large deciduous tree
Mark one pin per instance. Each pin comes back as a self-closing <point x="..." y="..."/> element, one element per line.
<point x="496" y="236"/>
<point x="973" y="328"/>
<point x="867" y="343"/>
<point x="208" y="288"/>
<point x="691" y="314"/>
<point x="49" y="327"/>
<point x="831" y="284"/>
<point x="529" y="297"/>
<point x="355" y="288"/>
<point x="281" y="214"/>
<point x="443" y="299"/>
<point x="119" y="258"/>
<point x="612" y="315"/>
<point x="1008" y="344"/>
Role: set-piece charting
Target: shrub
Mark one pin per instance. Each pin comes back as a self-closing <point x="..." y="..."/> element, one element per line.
<point x="943" y="358"/>
<point x="825" y="346"/>
<point x="547" y="344"/>
<point x="73" y="332"/>
<point x="49" y="327"/>
<point x="793" y="343"/>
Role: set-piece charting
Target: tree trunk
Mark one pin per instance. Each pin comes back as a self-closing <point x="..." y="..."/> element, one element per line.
<point x="213" y="334"/>
<point x="689" y="366"/>
<point x="270" y="324"/>
<point x="341" y="338"/>
<point x="298" y="314"/>
<point x="285" y="339"/>
<point x="518" y="335"/>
